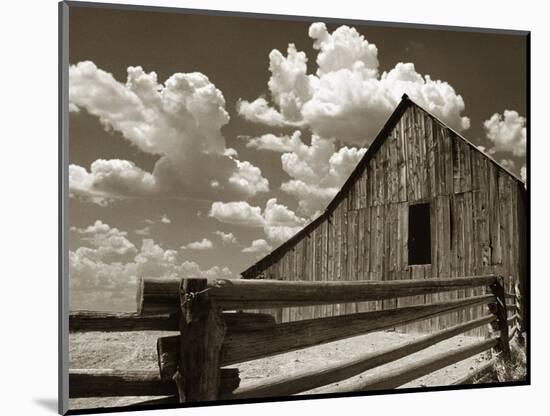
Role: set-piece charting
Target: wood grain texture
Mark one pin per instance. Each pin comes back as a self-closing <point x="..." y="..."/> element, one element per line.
<point x="202" y="332"/>
<point x="112" y="383"/>
<point x="296" y="383"/>
<point x="120" y="322"/>
<point x="261" y="294"/>
<point x="399" y="376"/>
<point x="500" y="312"/>
<point x="82" y="321"/>
<point x="296" y="335"/>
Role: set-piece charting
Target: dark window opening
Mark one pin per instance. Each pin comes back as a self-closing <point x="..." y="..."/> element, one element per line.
<point x="420" y="246"/>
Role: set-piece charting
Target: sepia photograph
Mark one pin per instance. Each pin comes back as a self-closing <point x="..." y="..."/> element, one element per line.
<point x="267" y="208"/>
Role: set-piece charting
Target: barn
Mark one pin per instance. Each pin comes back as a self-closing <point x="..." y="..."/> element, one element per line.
<point x="423" y="202"/>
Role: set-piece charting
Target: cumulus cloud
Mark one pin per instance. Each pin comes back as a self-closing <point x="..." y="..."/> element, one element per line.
<point x="204" y="244"/>
<point x="110" y="179"/>
<point x="106" y="240"/>
<point x="275" y="143"/>
<point x="258" y="247"/>
<point x="237" y="212"/>
<point x="163" y="219"/>
<point x="347" y="98"/>
<point x="143" y="231"/>
<point x="180" y="121"/>
<point x="507" y="132"/>
<point x="227" y="238"/>
<point x="278" y="221"/>
<point x="259" y="111"/>
<point x="317" y="170"/>
<point x="103" y="277"/>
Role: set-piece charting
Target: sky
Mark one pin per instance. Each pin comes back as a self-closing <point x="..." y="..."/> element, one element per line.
<point x="199" y="143"/>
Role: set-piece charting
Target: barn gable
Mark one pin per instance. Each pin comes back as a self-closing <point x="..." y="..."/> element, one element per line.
<point x="416" y="166"/>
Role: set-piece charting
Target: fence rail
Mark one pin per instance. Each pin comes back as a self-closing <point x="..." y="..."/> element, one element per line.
<point x="212" y="335"/>
<point x="161" y="296"/>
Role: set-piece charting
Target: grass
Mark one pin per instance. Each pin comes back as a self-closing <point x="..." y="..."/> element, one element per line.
<point x="516" y="368"/>
<point x="507" y="371"/>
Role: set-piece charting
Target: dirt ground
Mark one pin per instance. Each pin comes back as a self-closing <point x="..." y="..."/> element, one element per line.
<point x="137" y="351"/>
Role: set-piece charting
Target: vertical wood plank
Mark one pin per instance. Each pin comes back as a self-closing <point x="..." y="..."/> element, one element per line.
<point x="402" y="161"/>
<point x="431" y="157"/>
<point x="202" y="330"/>
<point x="496" y="250"/>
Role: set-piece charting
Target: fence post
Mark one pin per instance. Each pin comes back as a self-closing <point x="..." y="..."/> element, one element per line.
<point x="499" y="310"/>
<point x="519" y="314"/>
<point x="202" y="330"/>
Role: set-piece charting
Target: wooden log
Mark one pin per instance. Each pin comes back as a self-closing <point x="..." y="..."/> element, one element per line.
<point x="296" y="383"/>
<point x="160" y="295"/>
<point x="112" y="383"/>
<point x="202" y="330"/>
<point x="119" y="322"/>
<point x="245" y="321"/>
<point x="394" y="378"/>
<point x="500" y="312"/>
<point x="520" y="326"/>
<point x="476" y="374"/>
<point x="296" y="335"/>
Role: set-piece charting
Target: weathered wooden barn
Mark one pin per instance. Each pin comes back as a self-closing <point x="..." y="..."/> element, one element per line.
<point x="423" y="202"/>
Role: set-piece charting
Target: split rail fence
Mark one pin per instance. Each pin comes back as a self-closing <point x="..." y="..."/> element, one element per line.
<point x="193" y="365"/>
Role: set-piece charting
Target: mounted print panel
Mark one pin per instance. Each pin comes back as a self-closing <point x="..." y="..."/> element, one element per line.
<point x="260" y="207"/>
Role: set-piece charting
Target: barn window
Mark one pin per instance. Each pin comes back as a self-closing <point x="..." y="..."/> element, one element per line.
<point x="420" y="246"/>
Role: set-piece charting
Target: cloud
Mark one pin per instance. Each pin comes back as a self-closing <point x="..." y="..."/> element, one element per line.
<point x="258" y="247"/>
<point x="259" y="111"/>
<point x="101" y="278"/>
<point x="317" y="170"/>
<point x="507" y="132"/>
<point x="110" y="179"/>
<point x="508" y="164"/>
<point x="343" y="49"/>
<point x="180" y="121"/>
<point x="204" y="244"/>
<point x="143" y="231"/>
<point x="227" y="238"/>
<point x="163" y="219"/>
<point x="523" y="173"/>
<point x="250" y="177"/>
<point x="346" y="98"/>
<point x="275" y="143"/>
<point x="278" y="221"/>
<point x="106" y="240"/>
<point x="238" y="212"/>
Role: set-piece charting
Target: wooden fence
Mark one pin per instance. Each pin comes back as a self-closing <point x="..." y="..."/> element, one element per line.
<point x="212" y="335"/>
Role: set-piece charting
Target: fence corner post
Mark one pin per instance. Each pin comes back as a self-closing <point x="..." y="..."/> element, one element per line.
<point x="497" y="288"/>
<point x="202" y="331"/>
<point x="519" y="314"/>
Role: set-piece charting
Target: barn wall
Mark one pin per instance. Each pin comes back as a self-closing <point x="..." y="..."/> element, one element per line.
<point x="476" y="209"/>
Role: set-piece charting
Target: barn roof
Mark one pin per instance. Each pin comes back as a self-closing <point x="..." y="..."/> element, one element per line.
<point x="382" y="135"/>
